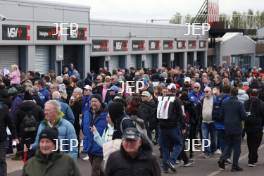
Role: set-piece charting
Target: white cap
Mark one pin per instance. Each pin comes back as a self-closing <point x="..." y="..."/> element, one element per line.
<point x="88" y="87"/>
<point x="171" y="86"/>
<point x="187" y="79"/>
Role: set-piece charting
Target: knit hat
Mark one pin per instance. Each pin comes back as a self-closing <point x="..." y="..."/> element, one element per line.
<point x="98" y="97"/>
<point x="49" y="133"/>
<point x="28" y="96"/>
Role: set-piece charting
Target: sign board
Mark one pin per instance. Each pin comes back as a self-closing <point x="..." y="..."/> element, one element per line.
<point x="154" y="45"/>
<point x="100" y="45"/>
<point x="167" y="44"/>
<point x="47" y="33"/>
<point x="120" y="45"/>
<point x="15" y="32"/>
<point x="138" y="45"/>
<point x="76" y="35"/>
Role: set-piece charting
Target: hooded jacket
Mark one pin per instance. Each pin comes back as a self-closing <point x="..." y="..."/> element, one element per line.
<point x="52" y="165"/>
<point x="89" y="145"/>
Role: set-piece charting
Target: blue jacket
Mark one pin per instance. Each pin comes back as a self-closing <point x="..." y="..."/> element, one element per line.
<point x="66" y="131"/>
<point x="89" y="145"/>
<point x="86" y="103"/>
<point x="195" y="98"/>
<point x="66" y="109"/>
<point x="43" y="95"/>
<point x="233" y="113"/>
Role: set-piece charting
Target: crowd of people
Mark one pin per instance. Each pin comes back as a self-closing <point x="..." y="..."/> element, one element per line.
<point x="52" y="118"/>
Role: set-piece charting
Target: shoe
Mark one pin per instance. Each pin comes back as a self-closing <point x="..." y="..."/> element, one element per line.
<point x="221" y="164"/>
<point x="165" y="171"/>
<point x="236" y="169"/>
<point x="171" y="166"/>
<point x="228" y="161"/>
<point x="188" y="164"/>
<point x="251" y="165"/>
<point x="205" y="156"/>
<point x="86" y="158"/>
<point x="218" y="152"/>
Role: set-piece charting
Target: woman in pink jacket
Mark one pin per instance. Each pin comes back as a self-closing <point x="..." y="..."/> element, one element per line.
<point x="14" y="75"/>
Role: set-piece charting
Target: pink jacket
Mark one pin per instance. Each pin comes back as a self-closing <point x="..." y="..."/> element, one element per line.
<point x="15" y="77"/>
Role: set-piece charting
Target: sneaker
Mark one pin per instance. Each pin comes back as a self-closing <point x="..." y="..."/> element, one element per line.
<point x="171" y="166"/>
<point x="205" y="156"/>
<point x="188" y="164"/>
<point x="218" y="152"/>
<point x="221" y="164"/>
<point x="228" y="161"/>
<point x="236" y="169"/>
<point x="86" y="158"/>
<point x="251" y="165"/>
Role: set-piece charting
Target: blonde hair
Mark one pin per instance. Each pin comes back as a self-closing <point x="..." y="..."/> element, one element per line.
<point x="14" y="67"/>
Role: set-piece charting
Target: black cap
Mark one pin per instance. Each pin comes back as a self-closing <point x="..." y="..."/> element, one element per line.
<point x="131" y="134"/>
<point x="49" y="133"/>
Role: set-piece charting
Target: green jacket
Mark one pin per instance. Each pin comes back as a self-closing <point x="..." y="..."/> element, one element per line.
<point x="54" y="165"/>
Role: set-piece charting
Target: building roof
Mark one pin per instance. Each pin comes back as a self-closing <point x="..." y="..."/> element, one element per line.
<point x="230" y="35"/>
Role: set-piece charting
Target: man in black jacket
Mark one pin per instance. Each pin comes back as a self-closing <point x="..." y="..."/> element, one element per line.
<point x="233" y="113"/>
<point x="170" y="116"/>
<point x="134" y="157"/>
<point x="5" y="121"/>
<point x="253" y="126"/>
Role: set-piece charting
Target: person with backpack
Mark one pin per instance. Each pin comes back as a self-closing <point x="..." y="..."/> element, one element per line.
<point x="28" y="116"/>
<point x="5" y="121"/>
<point x="254" y="125"/>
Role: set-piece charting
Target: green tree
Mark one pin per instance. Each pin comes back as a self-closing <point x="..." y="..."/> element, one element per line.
<point x="176" y="19"/>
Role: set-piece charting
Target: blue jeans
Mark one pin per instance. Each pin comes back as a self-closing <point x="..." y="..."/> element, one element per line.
<point x="220" y="139"/>
<point x="209" y="129"/>
<point x="170" y="137"/>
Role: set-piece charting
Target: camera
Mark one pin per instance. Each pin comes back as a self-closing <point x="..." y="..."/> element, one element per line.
<point x="2" y="18"/>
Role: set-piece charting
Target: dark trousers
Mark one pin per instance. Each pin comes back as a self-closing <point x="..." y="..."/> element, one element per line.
<point x="3" y="170"/>
<point x="253" y="142"/>
<point x="220" y="139"/>
<point x="232" y="143"/>
<point x="96" y="163"/>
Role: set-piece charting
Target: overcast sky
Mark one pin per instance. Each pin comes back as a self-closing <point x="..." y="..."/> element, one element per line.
<point x="144" y="10"/>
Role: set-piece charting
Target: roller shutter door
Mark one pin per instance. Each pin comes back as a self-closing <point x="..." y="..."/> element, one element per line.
<point x="8" y="56"/>
<point x="42" y="59"/>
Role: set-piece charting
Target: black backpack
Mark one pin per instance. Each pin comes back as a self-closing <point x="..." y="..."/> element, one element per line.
<point x="30" y="124"/>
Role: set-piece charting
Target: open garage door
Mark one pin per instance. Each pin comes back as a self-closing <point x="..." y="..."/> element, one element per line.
<point x="97" y="62"/>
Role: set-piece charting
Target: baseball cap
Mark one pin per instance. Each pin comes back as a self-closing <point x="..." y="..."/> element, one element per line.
<point x="131" y="134"/>
<point x="145" y="94"/>
<point x="171" y="86"/>
<point x="49" y="133"/>
<point x="187" y="79"/>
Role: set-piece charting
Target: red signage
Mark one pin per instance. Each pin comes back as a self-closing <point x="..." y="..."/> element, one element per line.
<point x="181" y="44"/>
<point x="120" y="45"/>
<point x="191" y="44"/>
<point x="168" y="44"/>
<point x="100" y="45"/>
<point x="154" y="45"/>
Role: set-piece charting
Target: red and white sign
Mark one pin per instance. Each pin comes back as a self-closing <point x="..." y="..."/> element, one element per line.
<point x="181" y="44"/>
<point x="213" y="11"/>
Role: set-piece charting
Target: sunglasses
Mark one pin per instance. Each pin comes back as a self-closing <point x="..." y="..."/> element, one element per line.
<point x="206" y="91"/>
<point x="197" y="87"/>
